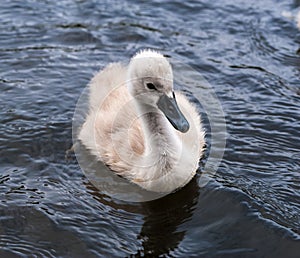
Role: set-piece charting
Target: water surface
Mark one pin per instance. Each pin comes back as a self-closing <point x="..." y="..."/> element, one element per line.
<point x="247" y="51"/>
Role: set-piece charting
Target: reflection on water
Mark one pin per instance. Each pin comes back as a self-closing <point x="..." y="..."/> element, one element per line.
<point x="159" y="233"/>
<point x="248" y="53"/>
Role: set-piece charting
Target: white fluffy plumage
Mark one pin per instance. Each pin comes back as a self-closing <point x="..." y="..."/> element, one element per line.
<point x="127" y="131"/>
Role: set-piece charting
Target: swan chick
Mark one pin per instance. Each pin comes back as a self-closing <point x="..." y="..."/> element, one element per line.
<point x="140" y="127"/>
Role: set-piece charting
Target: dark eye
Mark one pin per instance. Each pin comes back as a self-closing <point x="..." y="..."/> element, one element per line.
<point x="150" y="86"/>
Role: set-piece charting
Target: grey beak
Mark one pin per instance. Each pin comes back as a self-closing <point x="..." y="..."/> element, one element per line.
<point x="171" y="110"/>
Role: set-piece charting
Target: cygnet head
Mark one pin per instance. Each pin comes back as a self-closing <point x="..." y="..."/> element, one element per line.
<point x="150" y="75"/>
<point x="151" y="84"/>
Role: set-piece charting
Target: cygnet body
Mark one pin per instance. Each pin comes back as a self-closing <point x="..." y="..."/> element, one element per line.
<point x="140" y="127"/>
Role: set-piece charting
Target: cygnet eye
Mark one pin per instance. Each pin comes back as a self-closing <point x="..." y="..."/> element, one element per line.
<point x="150" y="86"/>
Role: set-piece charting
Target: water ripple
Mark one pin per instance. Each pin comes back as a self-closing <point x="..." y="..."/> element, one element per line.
<point x="247" y="51"/>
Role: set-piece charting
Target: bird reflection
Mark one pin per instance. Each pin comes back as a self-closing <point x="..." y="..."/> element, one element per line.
<point x="160" y="233"/>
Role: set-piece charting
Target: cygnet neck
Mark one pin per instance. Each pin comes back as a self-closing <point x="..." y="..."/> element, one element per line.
<point x="160" y="137"/>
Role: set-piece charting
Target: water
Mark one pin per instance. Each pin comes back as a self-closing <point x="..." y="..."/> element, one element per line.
<point x="247" y="51"/>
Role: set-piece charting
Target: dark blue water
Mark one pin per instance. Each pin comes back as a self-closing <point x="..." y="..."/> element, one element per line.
<point x="246" y="50"/>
